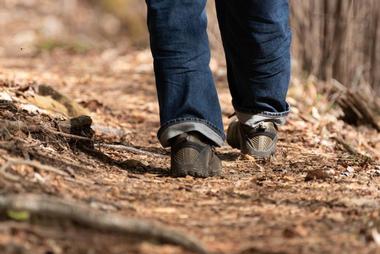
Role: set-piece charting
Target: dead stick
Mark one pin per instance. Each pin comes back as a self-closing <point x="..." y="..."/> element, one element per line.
<point x="130" y="149"/>
<point x="67" y="135"/>
<point x="81" y="214"/>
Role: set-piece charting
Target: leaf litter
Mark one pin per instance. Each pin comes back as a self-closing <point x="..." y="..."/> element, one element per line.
<point x="81" y="129"/>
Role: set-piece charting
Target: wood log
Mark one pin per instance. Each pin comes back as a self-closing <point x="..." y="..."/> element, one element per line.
<point x="358" y="109"/>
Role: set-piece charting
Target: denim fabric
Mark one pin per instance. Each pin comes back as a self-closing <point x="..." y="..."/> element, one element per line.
<point x="254" y="119"/>
<point x="256" y="38"/>
<point x="184" y="125"/>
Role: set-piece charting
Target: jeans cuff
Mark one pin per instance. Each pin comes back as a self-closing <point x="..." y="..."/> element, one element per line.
<point x="252" y="120"/>
<point x="177" y="127"/>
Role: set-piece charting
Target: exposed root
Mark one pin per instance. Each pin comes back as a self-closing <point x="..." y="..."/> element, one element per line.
<point x="28" y="128"/>
<point x="35" y="164"/>
<point x="67" y="130"/>
<point x="81" y="214"/>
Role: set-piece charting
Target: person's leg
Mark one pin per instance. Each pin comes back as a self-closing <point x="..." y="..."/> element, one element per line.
<point x="256" y="37"/>
<point x="186" y="92"/>
<point x="190" y="113"/>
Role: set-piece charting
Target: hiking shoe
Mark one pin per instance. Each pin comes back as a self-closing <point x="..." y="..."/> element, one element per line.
<point x="259" y="141"/>
<point x="192" y="155"/>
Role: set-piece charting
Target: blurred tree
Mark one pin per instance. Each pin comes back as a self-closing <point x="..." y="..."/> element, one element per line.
<point x="131" y="14"/>
<point x="338" y="39"/>
<point x="332" y="38"/>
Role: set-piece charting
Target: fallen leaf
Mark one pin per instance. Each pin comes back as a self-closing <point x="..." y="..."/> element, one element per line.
<point x="18" y="215"/>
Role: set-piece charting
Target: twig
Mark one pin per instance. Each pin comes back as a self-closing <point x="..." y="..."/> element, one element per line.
<point x="67" y="135"/>
<point x="81" y="214"/>
<point x="130" y="149"/>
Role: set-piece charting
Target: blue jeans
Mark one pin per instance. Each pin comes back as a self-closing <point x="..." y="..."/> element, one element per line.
<point x="256" y="38"/>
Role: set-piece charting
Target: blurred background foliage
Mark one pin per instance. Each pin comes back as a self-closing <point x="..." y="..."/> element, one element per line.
<point x="333" y="39"/>
<point x="131" y="15"/>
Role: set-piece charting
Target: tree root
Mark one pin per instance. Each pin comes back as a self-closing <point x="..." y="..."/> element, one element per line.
<point x="71" y="130"/>
<point x="32" y="128"/>
<point x="35" y="164"/>
<point x="81" y="214"/>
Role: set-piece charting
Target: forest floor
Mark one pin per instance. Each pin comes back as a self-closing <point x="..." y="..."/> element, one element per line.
<point x="314" y="196"/>
<point x="77" y="185"/>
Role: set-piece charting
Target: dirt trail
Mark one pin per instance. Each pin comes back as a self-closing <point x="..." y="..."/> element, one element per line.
<point x="312" y="197"/>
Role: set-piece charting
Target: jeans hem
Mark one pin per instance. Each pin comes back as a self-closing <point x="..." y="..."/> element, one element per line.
<point x="179" y="126"/>
<point x="264" y="113"/>
<point x="252" y="118"/>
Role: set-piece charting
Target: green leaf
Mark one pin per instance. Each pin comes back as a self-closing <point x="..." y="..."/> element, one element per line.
<point x="18" y="215"/>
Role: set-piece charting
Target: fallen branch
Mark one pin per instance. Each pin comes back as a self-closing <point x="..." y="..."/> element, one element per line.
<point x="81" y="214"/>
<point x="358" y="108"/>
